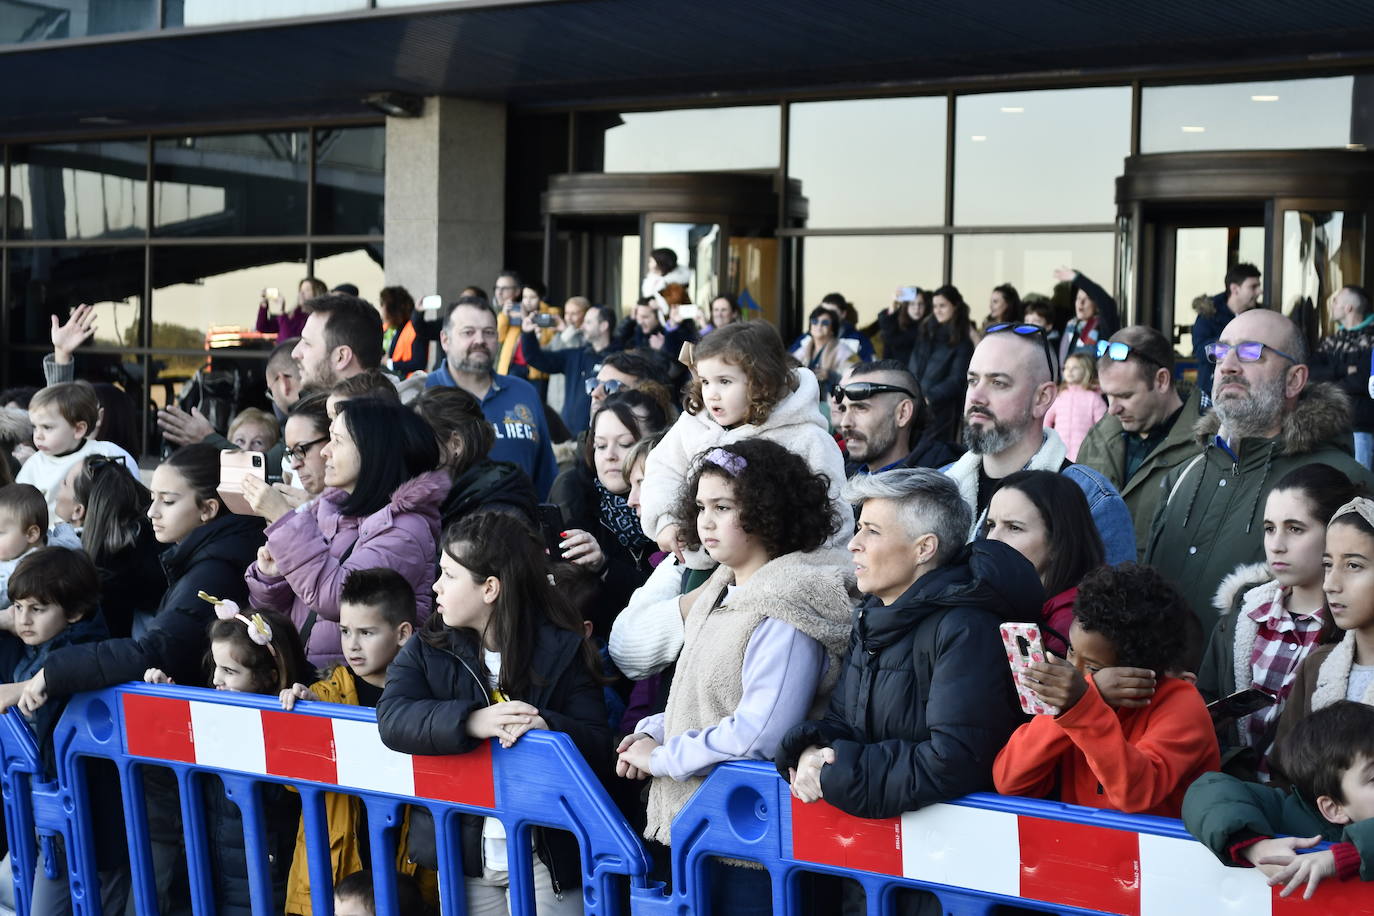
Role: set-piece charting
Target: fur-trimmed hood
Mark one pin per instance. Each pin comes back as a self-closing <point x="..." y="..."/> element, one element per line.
<point x="1321" y="416"/>
<point x="1333" y="675"/>
<point x="1243" y="579"/>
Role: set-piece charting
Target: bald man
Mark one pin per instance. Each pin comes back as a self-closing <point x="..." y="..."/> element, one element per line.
<point x="1266" y="420"/>
<point x="1010" y="389"/>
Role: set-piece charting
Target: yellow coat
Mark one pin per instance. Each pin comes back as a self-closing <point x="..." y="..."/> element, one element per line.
<point x="509" y="335"/>
<point x="343" y="813"/>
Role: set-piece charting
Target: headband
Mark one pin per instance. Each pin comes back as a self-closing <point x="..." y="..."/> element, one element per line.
<point x="259" y="630"/>
<point x="728" y="462"/>
<point x="1360" y="506"/>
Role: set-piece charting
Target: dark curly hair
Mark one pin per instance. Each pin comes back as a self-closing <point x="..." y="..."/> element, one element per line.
<point x="1138" y="612"/>
<point x="757" y="349"/>
<point x="782" y="501"/>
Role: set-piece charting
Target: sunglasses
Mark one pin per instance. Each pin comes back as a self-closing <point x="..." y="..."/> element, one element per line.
<point x="862" y="391"/>
<point x="611" y="385"/>
<point x="1028" y="330"/>
<point x="1247" y="351"/>
<point x="1120" y="352"/>
<point x="824" y="322"/>
<point x="298" y="453"/>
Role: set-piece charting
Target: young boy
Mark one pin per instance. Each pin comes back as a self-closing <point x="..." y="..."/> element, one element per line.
<point x="64" y="417"/>
<point x="23" y="529"/>
<point x="1138" y="760"/>
<point x="353" y="896"/>
<point x="376" y="617"/>
<point x="1330" y="757"/>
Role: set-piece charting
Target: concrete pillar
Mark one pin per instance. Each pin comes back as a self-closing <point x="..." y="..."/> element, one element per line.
<point x="446" y="197"/>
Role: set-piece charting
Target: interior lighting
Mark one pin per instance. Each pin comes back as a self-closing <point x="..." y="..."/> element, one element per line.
<point x="1264" y="98"/>
<point x="1187" y="129"/>
<point x="1012" y="110"/>
<point x="978" y="138"/>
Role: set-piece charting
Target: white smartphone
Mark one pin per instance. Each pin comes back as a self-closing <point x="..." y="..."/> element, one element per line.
<point x="431" y="306"/>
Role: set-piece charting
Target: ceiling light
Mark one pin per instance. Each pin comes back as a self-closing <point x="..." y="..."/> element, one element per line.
<point x="395" y="104"/>
<point x="1012" y="110"/>
<point x="978" y="138"/>
<point x="1264" y="98"/>
<point x="1193" y="130"/>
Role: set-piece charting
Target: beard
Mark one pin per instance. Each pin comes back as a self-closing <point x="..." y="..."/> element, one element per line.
<point x="864" y="448"/>
<point x="476" y="359"/>
<point x="1252" y="413"/>
<point x="994" y="439"/>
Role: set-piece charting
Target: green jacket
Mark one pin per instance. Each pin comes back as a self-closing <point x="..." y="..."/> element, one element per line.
<point x="1218" y="809"/>
<point x="1104" y="450"/>
<point x="1211" y="516"/>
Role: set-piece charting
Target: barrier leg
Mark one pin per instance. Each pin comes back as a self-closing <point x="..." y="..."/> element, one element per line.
<point x="452" y="894"/>
<point x="243" y="792"/>
<point x="383" y="825"/>
<point x="321" y="866"/>
<point x="143" y="883"/>
<point x="20" y="826"/>
<point x="519" y="869"/>
<point x="197" y="842"/>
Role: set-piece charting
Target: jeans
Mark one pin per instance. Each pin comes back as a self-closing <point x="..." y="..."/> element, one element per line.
<point x="1364" y="449"/>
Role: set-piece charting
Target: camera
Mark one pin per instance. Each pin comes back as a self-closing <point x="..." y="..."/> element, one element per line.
<point x="544" y="320"/>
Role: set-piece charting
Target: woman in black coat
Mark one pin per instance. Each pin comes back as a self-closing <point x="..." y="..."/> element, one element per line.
<point x="502" y="654"/>
<point x="941" y="357"/>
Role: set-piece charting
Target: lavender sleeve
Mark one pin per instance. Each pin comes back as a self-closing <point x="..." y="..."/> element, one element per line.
<point x="782" y="668"/>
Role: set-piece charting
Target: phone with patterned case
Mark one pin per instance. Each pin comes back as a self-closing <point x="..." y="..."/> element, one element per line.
<point x="1024" y="645"/>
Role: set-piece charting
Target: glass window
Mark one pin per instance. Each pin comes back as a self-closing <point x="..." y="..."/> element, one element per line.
<point x="1027" y="262"/>
<point x="217" y="12"/>
<point x="25" y="21"/>
<point x="1027" y="158"/>
<point x="350" y="179"/>
<point x="868" y="269"/>
<point x="1313" y="113"/>
<point x="360" y="265"/>
<point x="230" y="184"/>
<point x="80" y="190"/>
<point x="870" y="162"/>
<point x="694" y="140"/>
<point x="1201" y="256"/>
<point x="197" y="290"/>
<point x="51" y="281"/>
<point x="1323" y="250"/>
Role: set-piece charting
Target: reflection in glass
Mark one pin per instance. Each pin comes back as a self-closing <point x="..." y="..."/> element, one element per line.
<point x="79" y="190"/>
<point x="1027" y="262"/>
<point x="52" y="281"/>
<point x="868" y="269"/>
<point x="1322" y="251"/>
<point x="217" y="12"/>
<point x="1202" y="257"/>
<point x="1043" y="157"/>
<point x="360" y="265"/>
<point x="1313" y="113"/>
<point x="350" y="179"/>
<point x="230" y="184"/>
<point x="200" y="290"/>
<point x="22" y="21"/>
<point x="695" y="245"/>
<point x="694" y="140"/>
<point x="870" y="162"/>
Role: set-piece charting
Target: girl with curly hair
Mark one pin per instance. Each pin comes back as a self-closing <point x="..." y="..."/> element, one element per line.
<point x="763" y="641"/>
<point x="744" y="386"/>
<point x="1138" y="760"/>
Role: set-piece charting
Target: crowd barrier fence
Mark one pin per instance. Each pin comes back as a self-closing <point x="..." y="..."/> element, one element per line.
<point x="977" y="855"/>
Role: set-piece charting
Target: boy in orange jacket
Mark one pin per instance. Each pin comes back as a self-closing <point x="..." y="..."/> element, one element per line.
<point x="1139" y="758"/>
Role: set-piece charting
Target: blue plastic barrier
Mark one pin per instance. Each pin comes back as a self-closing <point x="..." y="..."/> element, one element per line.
<point x="974" y="854"/>
<point x="247" y="740"/>
<point x="21" y="780"/>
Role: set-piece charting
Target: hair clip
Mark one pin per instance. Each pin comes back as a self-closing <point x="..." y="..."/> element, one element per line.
<point x="259" y="630"/>
<point x="729" y="462"/>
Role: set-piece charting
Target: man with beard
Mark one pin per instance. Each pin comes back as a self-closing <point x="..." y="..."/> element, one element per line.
<point x="511" y="404"/>
<point x="880" y="412"/>
<point x="1010" y="389"/>
<point x="1266" y="420"/>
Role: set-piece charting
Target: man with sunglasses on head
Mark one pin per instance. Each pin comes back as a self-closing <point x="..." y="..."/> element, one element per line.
<point x="1266" y="420"/>
<point x="578" y="365"/>
<point x="879" y="410"/>
<point x="1148" y="429"/>
<point x="1010" y="389"/>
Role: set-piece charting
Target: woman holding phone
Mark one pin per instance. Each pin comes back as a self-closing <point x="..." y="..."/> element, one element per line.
<point x="380" y="507"/>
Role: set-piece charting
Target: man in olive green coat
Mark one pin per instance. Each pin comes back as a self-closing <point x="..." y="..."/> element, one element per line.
<point x="1148" y="429"/>
<point x="1266" y="421"/>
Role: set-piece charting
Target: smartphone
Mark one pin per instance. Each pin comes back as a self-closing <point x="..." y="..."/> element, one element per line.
<point x="1024" y="645"/>
<point x="688" y="313"/>
<point x="551" y="523"/>
<point x="906" y="294"/>
<point x="431" y="306"/>
<point x="544" y="320"/>
<point x="235" y="465"/>
<point x="271" y="293"/>
<point x="1240" y="704"/>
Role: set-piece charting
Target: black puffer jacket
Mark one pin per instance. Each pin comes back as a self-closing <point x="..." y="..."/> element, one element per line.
<point x="925" y="700"/>
<point x="212" y="558"/>
<point x="281" y="814"/>
<point x="491" y="486"/>
<point x="431" y="690"/>
<point x="131" y="581"/>
<point x="942" y="370"/>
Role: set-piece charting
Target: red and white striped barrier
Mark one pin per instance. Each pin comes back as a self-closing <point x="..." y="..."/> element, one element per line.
<point x="1057" y="862"/>
<point x="260" y="742"/>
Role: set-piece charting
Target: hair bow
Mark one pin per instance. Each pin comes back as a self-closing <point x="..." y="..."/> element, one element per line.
<point x="259" y="630"/>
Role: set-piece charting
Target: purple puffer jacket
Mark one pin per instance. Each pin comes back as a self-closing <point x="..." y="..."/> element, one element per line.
<point x="403" y="535"/>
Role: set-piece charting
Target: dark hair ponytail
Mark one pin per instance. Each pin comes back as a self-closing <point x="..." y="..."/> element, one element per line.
<point x="115" y="504"/>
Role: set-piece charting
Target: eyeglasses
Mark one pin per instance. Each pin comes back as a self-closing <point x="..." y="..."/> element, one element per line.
<point x="1247" y="351"/>
<point x="297" y="455"/>
<point x="862" y="391"/>
<point x="1120" y="352"/>
<point x="611" y="385"/>
<point x="823" y="322"/>
<point x="1028" y="330"/>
